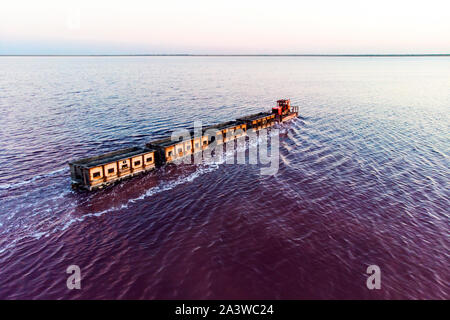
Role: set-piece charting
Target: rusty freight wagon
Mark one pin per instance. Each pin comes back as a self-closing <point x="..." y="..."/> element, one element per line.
<point x="168" y="150"/>
<point x="98" y="171"/>
<point x="258" y="121"/>
<point x="225" y="132"/>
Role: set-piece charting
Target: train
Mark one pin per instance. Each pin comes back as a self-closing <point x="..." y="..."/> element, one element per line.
<point x="102" y="170"/>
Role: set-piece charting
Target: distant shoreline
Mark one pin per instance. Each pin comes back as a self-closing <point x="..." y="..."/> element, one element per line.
<point x="228" y="55"/>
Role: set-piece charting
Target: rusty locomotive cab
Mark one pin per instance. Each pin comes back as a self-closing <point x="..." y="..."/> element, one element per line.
<point x="99" y="171"/>
<point x="284" y="111"/>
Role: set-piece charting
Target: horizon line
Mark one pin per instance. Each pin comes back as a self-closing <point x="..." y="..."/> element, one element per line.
<point x="229" y="55"/>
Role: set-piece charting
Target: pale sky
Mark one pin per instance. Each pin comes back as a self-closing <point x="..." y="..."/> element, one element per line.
<point x="228" y="27"/>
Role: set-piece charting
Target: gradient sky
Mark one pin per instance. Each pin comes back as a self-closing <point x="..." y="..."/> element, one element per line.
<point x="229" y="27"/>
